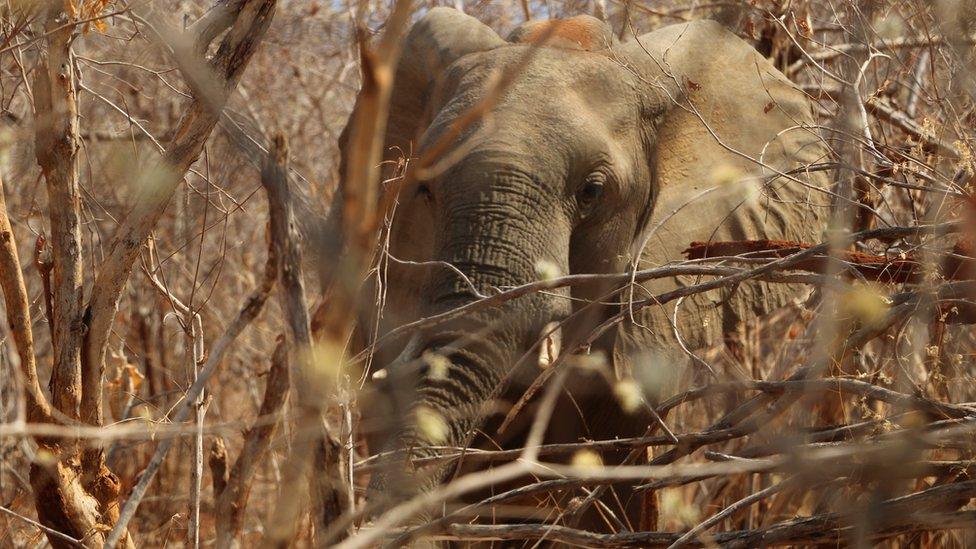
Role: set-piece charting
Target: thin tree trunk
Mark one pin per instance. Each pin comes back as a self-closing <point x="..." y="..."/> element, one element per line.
<point x="74" y="493"/>
<point x="17" y="307"/>
<point x="56" y="137"/>
<point x="232" y="499"/>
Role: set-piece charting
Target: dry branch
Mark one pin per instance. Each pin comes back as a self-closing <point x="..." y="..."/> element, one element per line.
<point x="17" y="308"/>
<point x="883" y="110"/>
<point x="775" y="388"/>
<point x="922" y="511"/>
<point x="364" y="208"/>
<point x="158" y="186"/>
<point x="814" y="530"/>
<point x="905" y="268"/>
<point x="901" y="43"/>
<point x="232" y="497"/>
<point x="728" y="277"/>
<point x="330" y="492"/>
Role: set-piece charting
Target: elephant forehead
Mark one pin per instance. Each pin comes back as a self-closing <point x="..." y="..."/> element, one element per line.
<point x="541" y="72"/>
<point x="553" y="135"/>
<point x="549" y="88"/>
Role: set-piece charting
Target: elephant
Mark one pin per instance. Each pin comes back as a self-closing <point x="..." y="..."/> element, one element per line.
<point x="593" y="156"/>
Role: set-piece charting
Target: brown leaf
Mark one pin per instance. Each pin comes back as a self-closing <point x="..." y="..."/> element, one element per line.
<point x="750" y="29"/>
<point x="803" y="27"/>
<point x="135" y="377"/>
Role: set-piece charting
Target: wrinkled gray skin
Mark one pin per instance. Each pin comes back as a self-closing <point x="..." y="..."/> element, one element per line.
<point x="596" y="149"/>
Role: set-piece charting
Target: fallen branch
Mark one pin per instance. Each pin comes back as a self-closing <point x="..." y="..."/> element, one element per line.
<point x="898" y="270"/>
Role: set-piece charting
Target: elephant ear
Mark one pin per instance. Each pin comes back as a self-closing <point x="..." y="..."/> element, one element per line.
<point x="440" y="37"/>
<point x="435" y="41"/>
<point x="725" y="127"/>
<point x="722" y="112"/>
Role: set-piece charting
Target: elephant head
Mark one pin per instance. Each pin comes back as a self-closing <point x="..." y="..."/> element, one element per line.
<point x="592" y="156"/>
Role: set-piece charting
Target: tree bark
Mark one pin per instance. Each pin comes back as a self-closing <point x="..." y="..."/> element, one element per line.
<point x="74" y="492"/>
<point x="56" y="137"/>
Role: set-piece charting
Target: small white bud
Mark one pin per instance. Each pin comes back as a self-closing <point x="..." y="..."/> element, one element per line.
<point x="587" y="459"/>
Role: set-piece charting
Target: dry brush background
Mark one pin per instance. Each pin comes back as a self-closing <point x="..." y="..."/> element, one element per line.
<point x="149" y="155"/>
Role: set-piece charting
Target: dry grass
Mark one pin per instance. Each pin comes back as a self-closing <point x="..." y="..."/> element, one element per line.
<point x="907" y="372"/>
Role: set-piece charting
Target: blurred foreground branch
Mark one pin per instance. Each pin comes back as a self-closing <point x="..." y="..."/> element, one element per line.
<point x="312" y="432"/>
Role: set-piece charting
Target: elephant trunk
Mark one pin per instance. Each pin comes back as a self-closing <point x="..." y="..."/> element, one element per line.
<point x="439" y="394"/>
<point x="444" y="383"/>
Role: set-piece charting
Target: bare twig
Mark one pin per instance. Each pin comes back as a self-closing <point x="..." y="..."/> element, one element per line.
<point x="249" y="311"/>
<point x="228" y="64"/>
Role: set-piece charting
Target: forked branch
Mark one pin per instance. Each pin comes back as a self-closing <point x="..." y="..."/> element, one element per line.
<point x="159" y="184"/>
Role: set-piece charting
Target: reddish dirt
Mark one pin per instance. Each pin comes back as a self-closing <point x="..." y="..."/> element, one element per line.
<point x="576" y="30"/>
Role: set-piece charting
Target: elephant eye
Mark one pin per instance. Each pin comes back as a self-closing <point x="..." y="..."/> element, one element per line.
<point x="424" y="192"/>
<point x="590" y="192"/>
